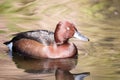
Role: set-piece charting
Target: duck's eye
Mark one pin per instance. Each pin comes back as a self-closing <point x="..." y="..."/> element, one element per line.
<point x="68" y="28"/>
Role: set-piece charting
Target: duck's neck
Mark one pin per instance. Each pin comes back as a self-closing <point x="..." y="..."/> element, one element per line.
<point x="60" y="40"/>
<point x="59" y="43"/>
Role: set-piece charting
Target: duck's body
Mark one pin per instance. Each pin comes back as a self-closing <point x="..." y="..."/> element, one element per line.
<point x="46" y="44"/>
<point x="38" y="50"/>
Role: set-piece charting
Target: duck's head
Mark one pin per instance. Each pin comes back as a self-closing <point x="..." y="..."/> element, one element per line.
<point x="65" y="30"/>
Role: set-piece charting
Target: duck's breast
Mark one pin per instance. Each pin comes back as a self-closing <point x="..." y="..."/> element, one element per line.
<point x="63" y="51"/>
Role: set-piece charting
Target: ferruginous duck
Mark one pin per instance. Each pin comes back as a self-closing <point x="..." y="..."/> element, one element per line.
<point x="47" y="44"/>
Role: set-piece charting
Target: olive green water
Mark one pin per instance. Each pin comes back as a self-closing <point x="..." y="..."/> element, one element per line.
<point x="100" y="21"/>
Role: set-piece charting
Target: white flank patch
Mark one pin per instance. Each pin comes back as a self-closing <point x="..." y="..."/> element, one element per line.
<point x="10" y="45"/>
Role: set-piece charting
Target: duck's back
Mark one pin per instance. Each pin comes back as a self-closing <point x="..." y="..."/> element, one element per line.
<point x="43" y="36"/>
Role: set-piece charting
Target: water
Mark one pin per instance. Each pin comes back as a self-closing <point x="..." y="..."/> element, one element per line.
<point x="39" y="69"/>
<point x="103" y="52"/>
<point x="98" y="59"/>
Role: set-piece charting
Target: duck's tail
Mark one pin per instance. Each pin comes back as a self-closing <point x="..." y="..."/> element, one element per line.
<point x="9" y="44"/>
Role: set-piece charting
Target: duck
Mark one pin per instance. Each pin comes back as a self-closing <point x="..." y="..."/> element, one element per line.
<point x="47" y="44"/>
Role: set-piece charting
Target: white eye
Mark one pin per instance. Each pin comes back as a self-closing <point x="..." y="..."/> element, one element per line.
<point x="68" y="28"/>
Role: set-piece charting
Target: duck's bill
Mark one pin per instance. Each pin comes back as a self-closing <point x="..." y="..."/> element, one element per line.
<point x="80" y="36"/>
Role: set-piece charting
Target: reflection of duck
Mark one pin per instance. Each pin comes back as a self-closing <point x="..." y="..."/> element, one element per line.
<point x="66" y="75"/>
<point x="43" y="65"/>
<point x="46" y="44"/>
<point x="61" y="67"/>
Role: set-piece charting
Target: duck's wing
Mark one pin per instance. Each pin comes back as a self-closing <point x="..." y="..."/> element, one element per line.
<point x="43" y="36"/>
